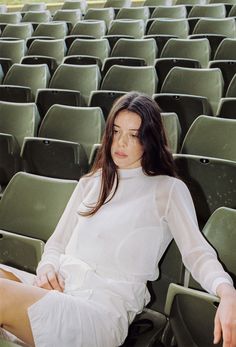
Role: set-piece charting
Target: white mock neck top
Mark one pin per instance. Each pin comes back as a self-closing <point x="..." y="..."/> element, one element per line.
<point x="109" y="257"/>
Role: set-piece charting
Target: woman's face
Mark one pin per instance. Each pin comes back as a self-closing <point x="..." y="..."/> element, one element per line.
<point x="126" y="149"/>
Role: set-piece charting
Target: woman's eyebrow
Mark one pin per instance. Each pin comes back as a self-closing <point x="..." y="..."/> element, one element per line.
<point x="115" y="125"/>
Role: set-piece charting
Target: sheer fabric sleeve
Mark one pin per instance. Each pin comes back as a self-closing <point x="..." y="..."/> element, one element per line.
<point x="197" y="254"/>
<point x="56" y="244"/>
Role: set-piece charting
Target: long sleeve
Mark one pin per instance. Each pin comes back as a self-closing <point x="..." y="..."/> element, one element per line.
<point x="56" y="244"/>
<point x="198" y="256"/>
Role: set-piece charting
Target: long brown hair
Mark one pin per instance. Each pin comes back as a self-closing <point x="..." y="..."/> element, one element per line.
<point x="157" y="158"/>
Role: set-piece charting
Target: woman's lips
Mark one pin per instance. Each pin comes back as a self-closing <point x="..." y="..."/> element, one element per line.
<point x="120" y="154"/>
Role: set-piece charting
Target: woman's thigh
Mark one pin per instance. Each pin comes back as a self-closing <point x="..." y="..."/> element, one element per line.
<point x="15" y="299"/>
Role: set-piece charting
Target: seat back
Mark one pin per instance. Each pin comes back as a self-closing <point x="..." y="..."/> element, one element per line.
<point x="133" y="27"/>
<point x="137" y="48"/>
<point x="40" y="6"/>
<point x="128" y="78"/>
<point x="174" y="11"/>
<point x="162" y="26"/>
<point x="83" y="125"/>
<point x="57" y="30"/>
<point x="12" y="49"/>
<point x="10" y="17"/>
<point x="97" y="48"/>
<point x="105" y="14"/>
<point x="73" y="5"/>
<point x="224" y="26"/>
<point x="226" y="50"/>
<point x="201" y="82"/>
<point x="95" y="28"/>
<point x="209" y="10"/>
<point x="19" y="120"/>
<point x="32" y="76"/>
<point x="198" y="49"/>
<point x="83" y="78"/>
<point x="172" y="128"/>
<point x="49" y="48"/>
<point x="141" y="12"/>
<point x="70" y="16"/>
<point x="37" y="16"/>
<point x="231" y="91"/>
<point x="211" y="137"/>
<point x="117" y="3"/>
<point x="19" y="30"/>
<point x="44" y="202"/>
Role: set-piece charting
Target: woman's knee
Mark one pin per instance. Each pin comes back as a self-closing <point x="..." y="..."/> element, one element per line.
<point x="8" y="275"/>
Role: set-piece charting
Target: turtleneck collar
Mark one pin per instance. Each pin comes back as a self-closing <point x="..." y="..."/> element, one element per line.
<point x="128" y="173"/>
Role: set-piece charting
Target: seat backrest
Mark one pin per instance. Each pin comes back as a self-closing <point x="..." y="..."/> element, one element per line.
<point x="40" y="6"/>
<point x="37" y="16"/>
<point x="19" y="30"/>
<point x="32" y="76"/>
<point x="72" y="5"/>
<point x="10" y="17"/>
<point x="211" y="137"/>
<point x="209" y="10"/>
<point x="19" y="120"/>
<point x="141" y="12"/>
<point x="50" y="48"/>
<point x="97" y="47"/>
<point x="44" y="202"/>
<point x="232" y="11"/>
<point x="12" y="49"/>
<point x="201" y="82"/>
<point x="133" y="27"/>
<point x="95" y="28"/>
<point x="174" y="11"/>
<point x="57" y="30"/>
<point x="223" y="26"/>
<point x="138" y="48"/>
<point x="83" y="78"/>
<point x="128" y="78"/>
<point x="198" y="49"/>
<point x="211" y="181"/>
<point x="105" y="14"/>
<point x="84" y="125"/>
<point x="226" y="50"/>
<point x="168" y="26"/>
<point x="71" y="16"/>
<point x="155" y="3"/>
<point x="172" y="128"/>
<point x="117" y="3"/>
<point x="231" y="91"/>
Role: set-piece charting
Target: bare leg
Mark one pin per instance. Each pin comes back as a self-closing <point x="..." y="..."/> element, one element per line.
<point x="8" y="275"/>
<point x="15" y="299"/>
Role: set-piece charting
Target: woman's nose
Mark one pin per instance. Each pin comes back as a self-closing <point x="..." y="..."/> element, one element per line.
<point x="122" y="140"/>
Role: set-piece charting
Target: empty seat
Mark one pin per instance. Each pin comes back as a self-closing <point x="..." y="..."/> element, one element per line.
<point x="174" y="11"/>
<point x="117" y="3"/>
<point x="37" y="6"/>
<point x="226" y="50"/>
<point x="136" y="48"/>
<point x="10" y="17"/>
<point x="19" y="31"/>
<point x="105" y="14"/>
<point x="69" y="16"/>
<point x="25" y="78"/>
<point x="26" y="227"/>
<point x="162" y="26"/>
<point x="232" y="11"/>
<point x="228" y="69"/>
<point x="155" y="3"/>
<point x="231" y="91"/>
<point x="12" y="49"/>
<point x="172" y="129"/>
<point x="16" y="122"/>
<point x="67" y="138"/>
<point x="141" y="12"/>
<point x="57" y="30"/>
<point x="95" y="28"/>
<point x="227" y="108"/>
<point x="96" y="48"/>
<point x="209" y="10"/>
<point x="37" y="16"/>
<point x="73" y="5"/>
<point x="201" y="138"/>
<point x="224" y="26"/>
<point x="134" y="28"/>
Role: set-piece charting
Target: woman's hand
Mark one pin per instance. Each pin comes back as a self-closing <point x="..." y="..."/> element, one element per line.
<point x="225" y="319"/>
<point x="48" y="278"/>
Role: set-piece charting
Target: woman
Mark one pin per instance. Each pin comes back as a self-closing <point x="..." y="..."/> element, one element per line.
<point x="91" y="281"/>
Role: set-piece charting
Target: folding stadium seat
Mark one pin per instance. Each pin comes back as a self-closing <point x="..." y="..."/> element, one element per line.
<point x="96" y="48"/>
<point x="136" y="48"/>
<point x="43" y="16"/>
<point x="12" y="49"/>
<point x="231" y="91"/>
<point x="182" y="52"/>
<point x="16" y="121"/>
<point x="174" y="11"/>
<point x="185" y="306"/>
<point x="228" y="4"/>
<point x="67" y="138"/>
<point x="228" y="69"/>
<point x="71" y="17"/>
<point x="95" y="28"/>
<point x="126" y="61"/>
<point x="209" y="10"/>
<point x="190" y="92"/>
<point x="20" y="31"/>
<point x="69" y="85"/>
<point x="141" y="12"/>
<point x="226" y="50"/>
<point x="73" y="5"/>
<point x="133" y="27"/>
<point x="26" y="227"/>
<point x="24" y="80"/>
<point x="172" y="129"/>
<point x="211" y="137"/>
<point x="10" y="18"/>
<point x="155" y="3"/>
<point x="232" y="12"/>
<point x="56" y="30"/>
<point x="105" y="14"/>
<point x="227" y="108"/>
<point x="117" y="4"/>
<point x="37" y="6"/>
<point x="49" y="52"/>
<point x="176" y="27"/>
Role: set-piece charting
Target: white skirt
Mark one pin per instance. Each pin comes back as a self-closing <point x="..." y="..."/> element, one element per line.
<point x="90" y="319"/>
